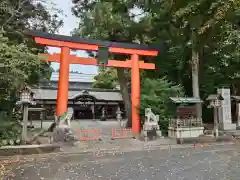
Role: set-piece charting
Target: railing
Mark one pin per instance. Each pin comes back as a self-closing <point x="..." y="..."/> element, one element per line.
<point x="89" y="134"/>
<point x="187" y="122"/>
<point x="122" y="133"/>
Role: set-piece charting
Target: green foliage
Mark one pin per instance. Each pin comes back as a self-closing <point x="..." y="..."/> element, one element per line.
<point x="105" y="20"/>
<point x="211" y="26"/>
<point x="20" y="68"/>
<point x="20" y="64"/>
<point x="106" y="79"/>
<point x="62" y="117"/>
<point x="19" y="15"/>
<point x="155" y="94"/>
<point x="9" y="128"/>
<point x="215" y="23"/>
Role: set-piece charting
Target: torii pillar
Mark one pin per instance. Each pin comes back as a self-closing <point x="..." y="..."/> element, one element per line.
<point x="62" y="95"/>
<point x="135" y="94"/>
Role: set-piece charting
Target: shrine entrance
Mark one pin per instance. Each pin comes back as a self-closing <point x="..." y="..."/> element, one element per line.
<point x="86" y="106"/>
<point x="103" y="48"/>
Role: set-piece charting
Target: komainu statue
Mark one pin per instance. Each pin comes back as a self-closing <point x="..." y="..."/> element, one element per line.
<point x="151" y="128"/>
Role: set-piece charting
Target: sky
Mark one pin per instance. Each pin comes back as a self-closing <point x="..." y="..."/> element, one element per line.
<point x="70" y="22"/>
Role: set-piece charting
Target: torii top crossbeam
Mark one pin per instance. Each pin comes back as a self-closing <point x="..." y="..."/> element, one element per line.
<point x="92" y="45"/>
<point x="66" y="43"/>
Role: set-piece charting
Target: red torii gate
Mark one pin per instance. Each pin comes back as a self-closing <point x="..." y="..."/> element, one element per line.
<point x="65" y="59"/>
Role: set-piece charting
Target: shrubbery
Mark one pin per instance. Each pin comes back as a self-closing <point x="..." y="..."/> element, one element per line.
<point x="155" y="94"/>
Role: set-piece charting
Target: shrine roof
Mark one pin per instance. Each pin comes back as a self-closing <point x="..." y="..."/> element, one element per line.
<point x="236" y="98"/>
<point x="75" y="77"/>
<point x="186" y="100"/>
<point x="214" y="96"/>
<point x="211" y="97"/>
<point x="76" y="39"/>
<point x="51" y="94"/>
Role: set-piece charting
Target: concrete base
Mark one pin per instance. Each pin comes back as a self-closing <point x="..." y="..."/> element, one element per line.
<point x="185" y="132"/>
<point x="204" y="139"/>
<point x="227" y="126"/>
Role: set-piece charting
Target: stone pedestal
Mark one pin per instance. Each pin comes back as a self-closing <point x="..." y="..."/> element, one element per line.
<point x="185" y="132"/>
<point x="62" y="135"/>
<point x="224" y="112"/>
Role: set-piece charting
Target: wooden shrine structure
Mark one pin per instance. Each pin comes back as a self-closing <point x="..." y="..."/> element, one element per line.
<point x="67" y="43"/>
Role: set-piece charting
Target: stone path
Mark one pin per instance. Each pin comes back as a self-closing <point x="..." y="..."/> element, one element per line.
<point x="106" y="141"/>
<point x="106" y="131"/>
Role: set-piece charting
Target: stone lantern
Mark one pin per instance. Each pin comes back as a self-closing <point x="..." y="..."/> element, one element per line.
<point x="119" y="116"/>
<point x="216" y="103"/>
<point x="26" y="95"/>
<point x="103" y="116"/>
<point x="26" y="99"/>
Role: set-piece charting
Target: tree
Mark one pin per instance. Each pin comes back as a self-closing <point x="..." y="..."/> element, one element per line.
<point x="20" y="64"/>
<point x="201" y="37"/>
<point x="108" y="21"/>
<point x="200" y="22"/>
<point x="195" y="27"/>
<point x="19" y="15"/>
<point x="21" y="68"/>
<point x="16" y="17"/>
<point x="155" y="94"/>
<point x="106" y="79"/>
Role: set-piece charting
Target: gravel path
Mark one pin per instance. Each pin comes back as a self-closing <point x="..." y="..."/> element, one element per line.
<point x="215" y="163"/>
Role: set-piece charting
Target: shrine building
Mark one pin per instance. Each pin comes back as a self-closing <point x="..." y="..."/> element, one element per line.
<point x="86" y="101"/>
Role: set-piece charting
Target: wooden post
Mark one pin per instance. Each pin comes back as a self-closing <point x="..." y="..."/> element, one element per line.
<point x="135" y="93"/>
<point x="94" y="110"/>
<point x="41" y="118"/>
<point x="74" y="112"/>
<point x="62" y="96"/>
<point x="238" y="114"/>
<point x="216" y="121"/>
<point x="25" y="123"/>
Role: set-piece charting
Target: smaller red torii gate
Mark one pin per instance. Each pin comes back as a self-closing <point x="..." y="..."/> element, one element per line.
<point x="65" y="59"/>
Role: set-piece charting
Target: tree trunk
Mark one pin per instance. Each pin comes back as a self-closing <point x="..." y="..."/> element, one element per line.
<point x="216" y="121"/>
<point x="125" y="95"/>
<point x="195" y="80"/>
<point x="195" y="73"/>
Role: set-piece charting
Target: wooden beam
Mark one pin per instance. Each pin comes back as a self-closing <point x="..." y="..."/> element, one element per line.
<point x="93" y="47"/>
<point x="80" y="40"/>
<point x="92" y="61"/>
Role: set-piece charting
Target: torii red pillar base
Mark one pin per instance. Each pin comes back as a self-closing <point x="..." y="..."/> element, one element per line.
<point x="135" y="77"/>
